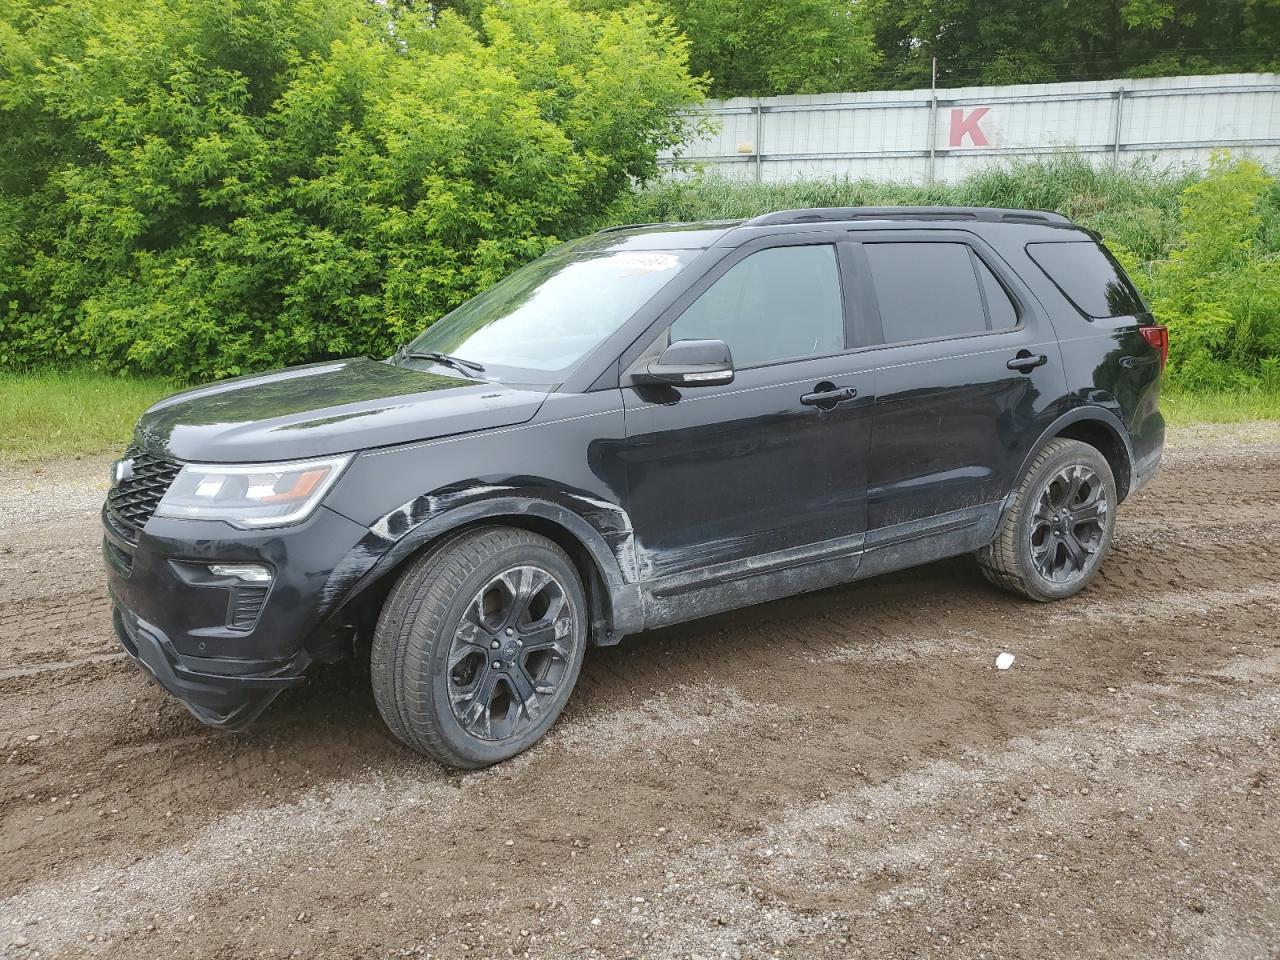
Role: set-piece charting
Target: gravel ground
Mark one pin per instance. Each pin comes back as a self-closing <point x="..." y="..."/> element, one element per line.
<point x="844" y="774"/>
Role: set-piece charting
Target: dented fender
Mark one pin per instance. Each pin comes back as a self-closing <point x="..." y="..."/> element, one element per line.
<point x="601" y="528"/>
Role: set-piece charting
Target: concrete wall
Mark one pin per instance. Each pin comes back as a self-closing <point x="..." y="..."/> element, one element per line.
<point x="910" y="135"/>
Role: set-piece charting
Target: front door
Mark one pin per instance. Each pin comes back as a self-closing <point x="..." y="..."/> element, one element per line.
<point x="755" y="489"/>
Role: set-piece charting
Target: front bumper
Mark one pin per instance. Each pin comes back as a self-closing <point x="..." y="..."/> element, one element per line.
<point x="228" y="700"/>
<point x="225" y="650"/>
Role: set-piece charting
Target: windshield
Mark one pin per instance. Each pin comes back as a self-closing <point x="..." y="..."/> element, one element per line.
<point x="541" y="320"/>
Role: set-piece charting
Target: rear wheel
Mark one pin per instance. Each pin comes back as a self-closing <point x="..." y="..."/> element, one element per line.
<point x="1058" y="528"/>
<point x="479" y="645"/>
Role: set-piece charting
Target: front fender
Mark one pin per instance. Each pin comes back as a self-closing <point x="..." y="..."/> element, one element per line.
<point x="603" y="530"/>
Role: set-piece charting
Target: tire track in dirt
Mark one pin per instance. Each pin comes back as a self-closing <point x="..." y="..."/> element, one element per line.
<point x="707" y="736"/>
<point x="58" y="666"/>
<point x="850" y="853"/>
<point x="91" y="902"/>
<point x="107" y="897"/>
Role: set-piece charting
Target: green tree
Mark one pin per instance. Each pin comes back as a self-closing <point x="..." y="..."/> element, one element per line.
<point x="1016" y="41"/>
<point x="205" y="187"/>
<point x="762" y="47"/>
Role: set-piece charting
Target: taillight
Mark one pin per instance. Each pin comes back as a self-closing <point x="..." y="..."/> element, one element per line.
<point x="1158" y="336"/>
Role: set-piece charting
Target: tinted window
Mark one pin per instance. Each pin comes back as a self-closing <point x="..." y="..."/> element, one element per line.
<point x="999" y="307"/>
<point x="926" y="290"/>
<point x="778" y="304"/>
<point x="1087" y="277"/>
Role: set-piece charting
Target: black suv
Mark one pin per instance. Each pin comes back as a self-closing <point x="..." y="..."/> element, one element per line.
<point x="646" y="425"/>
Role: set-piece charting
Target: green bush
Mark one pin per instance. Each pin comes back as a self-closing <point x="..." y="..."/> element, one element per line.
<point x="1218" y="288"/>
<point x="1203" y="248"/>
<point x="204" y="187"/>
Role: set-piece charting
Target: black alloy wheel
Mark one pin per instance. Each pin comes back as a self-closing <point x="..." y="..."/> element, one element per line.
<point x="1068" y="524"/>
<point x="509" y="654"/>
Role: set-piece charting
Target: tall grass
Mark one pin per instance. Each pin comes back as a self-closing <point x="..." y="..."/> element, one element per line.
<point x="1184" y="407"/>
<point x="1135" y="206"/>
<point x="55" y="414"/>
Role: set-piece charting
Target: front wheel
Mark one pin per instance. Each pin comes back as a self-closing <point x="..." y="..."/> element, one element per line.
<point x="479" y="645"/>
<point x="1058" y="528"/>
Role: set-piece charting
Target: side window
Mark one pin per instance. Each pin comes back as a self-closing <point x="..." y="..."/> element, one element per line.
<point x="778" y="304"/>
<point x="1088" y="277"/>
<point x="928" y="290"/>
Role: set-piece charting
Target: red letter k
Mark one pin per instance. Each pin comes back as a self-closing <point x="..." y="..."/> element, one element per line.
<point x="960" y="125"/>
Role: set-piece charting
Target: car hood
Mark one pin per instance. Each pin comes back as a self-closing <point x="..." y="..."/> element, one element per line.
<point x="327" y="408"/>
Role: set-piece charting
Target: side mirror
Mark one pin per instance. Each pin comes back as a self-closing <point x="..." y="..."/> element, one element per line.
<point x="688" y="363"/>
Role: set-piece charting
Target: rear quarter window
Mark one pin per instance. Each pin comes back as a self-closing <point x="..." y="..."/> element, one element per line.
<point x="1088" y="277"/>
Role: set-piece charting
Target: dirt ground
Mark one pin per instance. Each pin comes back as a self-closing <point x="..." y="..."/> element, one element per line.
<point x="845" y="774"/>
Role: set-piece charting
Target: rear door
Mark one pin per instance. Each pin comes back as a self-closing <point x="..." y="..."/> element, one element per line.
<point x="969" y="370"/>
<point x="754" y="489"/>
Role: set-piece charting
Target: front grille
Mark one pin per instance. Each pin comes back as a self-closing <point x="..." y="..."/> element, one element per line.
<point x="246" y="604"/>
<point x="133" y="501"/>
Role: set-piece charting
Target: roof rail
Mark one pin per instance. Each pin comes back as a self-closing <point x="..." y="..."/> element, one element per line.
<point x="627" y="226"/>
<point x="835" y="214"/>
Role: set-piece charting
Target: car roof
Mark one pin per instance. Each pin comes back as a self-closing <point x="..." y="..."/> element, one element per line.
<point x="702" y="234"/>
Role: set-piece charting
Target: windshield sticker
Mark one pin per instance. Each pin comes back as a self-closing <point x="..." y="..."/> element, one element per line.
<point x="638" y="264"/>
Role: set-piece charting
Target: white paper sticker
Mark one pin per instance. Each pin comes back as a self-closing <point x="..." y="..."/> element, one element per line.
<point x="636" y="263"/>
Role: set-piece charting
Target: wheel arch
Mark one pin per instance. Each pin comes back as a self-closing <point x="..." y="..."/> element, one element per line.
<point x="1108" y="441"/>
<point x="1096" y="426"/>
<point x="613" y="599"/>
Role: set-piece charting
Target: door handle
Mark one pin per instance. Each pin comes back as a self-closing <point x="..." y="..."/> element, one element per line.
<point x="828" y="395"/>
<point x="1025" y="361"/>
<point x="1133" y="363"/>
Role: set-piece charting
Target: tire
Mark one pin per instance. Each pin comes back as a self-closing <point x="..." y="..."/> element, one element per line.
<point x="479" y="645"/>
<point x="1058" y="528"/>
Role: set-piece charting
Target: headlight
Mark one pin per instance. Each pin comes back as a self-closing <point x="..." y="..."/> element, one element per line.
<point x="251" y="495"/>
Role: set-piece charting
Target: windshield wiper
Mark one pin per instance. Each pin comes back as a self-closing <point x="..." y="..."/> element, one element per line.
<point x="462" y="366"/>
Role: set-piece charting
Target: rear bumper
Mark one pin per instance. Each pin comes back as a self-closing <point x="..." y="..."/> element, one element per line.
<point x="1146" y="469"/>
<point x="231" y="700"/>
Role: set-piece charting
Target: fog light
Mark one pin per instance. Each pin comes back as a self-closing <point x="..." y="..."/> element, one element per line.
<point x="245" y="572"/>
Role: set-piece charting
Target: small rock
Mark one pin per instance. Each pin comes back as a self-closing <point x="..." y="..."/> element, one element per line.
<point x="32" y="737"/>
<point x="596" y="921"/>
